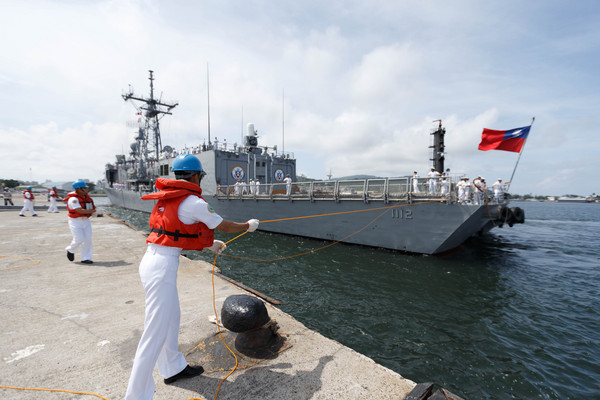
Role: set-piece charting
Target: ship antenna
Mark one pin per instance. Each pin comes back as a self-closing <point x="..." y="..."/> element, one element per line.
<point x="208" y="102"/>
<point x="283" y="120"/>
<point x="154" y="110"/>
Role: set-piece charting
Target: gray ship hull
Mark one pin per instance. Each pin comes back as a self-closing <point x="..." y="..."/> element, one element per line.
<point x="428" y="227"/>
<point x="129" y="199"/>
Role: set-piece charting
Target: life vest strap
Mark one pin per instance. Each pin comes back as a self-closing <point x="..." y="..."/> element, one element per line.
<point x="176" y="235"/>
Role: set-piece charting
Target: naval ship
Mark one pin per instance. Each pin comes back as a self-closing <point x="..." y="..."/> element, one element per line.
<point x="395" y="213"/>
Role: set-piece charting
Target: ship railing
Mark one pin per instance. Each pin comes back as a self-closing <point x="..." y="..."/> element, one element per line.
<point x="379" y="189"/>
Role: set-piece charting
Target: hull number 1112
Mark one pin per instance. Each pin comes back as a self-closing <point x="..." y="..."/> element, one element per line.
<point x="399" y="213"/>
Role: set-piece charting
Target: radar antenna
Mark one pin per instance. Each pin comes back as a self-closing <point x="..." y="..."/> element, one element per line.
<point x="154" y="110"/>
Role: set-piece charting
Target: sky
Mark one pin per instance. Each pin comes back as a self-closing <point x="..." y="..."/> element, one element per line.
<point x="347" y="87"/>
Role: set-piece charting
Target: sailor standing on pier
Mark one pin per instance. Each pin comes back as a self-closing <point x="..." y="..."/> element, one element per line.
<point x="28" y="199"/>
<point x="180" y="220"/>
<point x="80" y="207"/>
<point x="7" y="197"/>
<point x="53" y="197"/>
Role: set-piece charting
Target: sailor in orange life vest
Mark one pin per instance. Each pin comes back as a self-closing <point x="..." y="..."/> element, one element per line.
<point x="53" y="196"/>
<point x="181" y="219"/>
<point x="80" y="207"/>
<point x="28" y="199"/>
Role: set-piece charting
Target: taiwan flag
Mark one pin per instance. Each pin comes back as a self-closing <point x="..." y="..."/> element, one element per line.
<point x="511" y="140"/>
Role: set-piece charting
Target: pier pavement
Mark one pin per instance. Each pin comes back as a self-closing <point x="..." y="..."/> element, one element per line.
<point x="75" y="327"/>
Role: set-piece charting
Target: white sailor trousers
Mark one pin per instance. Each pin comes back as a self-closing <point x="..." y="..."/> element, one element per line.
<point x="53" y="207"/>
<point x="27" y="206"/>
<point x="159" y="342"/>
<point x="81" y="229"/>
<point x="432" y="186"/>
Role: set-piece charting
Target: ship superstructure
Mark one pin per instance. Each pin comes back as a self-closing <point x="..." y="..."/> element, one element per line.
<point x="251" y="181"/>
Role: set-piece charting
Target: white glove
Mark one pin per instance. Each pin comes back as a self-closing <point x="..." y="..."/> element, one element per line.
<point x="217" y="247"/>
<point x="252" y="225"/>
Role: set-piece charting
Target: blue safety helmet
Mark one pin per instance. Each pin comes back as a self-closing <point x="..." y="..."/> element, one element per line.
<point x="186" y="165"/>
<point x="53" y="187"/>
<point x="187" y="162"/>
<point x="79" y="184"/>
<point x="28" y="188"/>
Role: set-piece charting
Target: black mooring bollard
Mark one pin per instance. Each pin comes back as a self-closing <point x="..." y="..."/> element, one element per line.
<point x="247" y="316"/>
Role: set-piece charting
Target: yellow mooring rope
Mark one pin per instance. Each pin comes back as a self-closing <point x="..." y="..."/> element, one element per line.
<point x="385" y="209"/>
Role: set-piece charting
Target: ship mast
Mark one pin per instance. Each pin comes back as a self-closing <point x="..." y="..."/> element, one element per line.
<point x="438" y="147"/>
<point x="154" y="110"/>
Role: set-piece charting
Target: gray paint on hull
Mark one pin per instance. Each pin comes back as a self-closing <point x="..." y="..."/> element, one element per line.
<point x="421" y="228"/>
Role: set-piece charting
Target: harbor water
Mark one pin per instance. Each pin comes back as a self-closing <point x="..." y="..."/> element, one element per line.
<point x="514" y="314"/>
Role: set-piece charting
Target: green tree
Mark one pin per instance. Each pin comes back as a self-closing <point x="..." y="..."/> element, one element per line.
<point x="11" y="183"/>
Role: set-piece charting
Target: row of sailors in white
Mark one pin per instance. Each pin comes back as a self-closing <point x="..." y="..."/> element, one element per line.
<point x="479" y="189"/>
<point x="434" y="178"/>
<point x="464" y="188"/>
<point x="241" y="187"/>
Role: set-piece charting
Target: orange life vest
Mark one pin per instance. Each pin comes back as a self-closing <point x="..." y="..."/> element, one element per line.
<point x="31" y="194"/>
<point x="165" y="227"/>
<point x="52" y="193"/>
<point x="85" y="202"/>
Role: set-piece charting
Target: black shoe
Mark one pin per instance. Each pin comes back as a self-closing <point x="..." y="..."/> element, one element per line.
<point x="34" y="215"/>
<point x="188" y="372"/>
<point x="70" y="256"/>
<point x="87" y="262"/>
<point x="21" y="215"/>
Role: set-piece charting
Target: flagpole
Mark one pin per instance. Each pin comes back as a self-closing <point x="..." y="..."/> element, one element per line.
<point x="518" y="158"/>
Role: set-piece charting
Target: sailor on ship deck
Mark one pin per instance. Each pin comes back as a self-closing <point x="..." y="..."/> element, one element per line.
<point x="415" y="182"/>
<point x="288" y="185"/>
<point x="432" y="180"/>
<point x="498" y="187"/>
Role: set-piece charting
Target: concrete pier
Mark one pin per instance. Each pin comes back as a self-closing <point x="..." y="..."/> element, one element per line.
<point x="72" y="326"/>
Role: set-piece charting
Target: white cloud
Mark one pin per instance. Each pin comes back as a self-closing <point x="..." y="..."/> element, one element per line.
<point x="384" y="73"/>
<point x="362" y="83"/>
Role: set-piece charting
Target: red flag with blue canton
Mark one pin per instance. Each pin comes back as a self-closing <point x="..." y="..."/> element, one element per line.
<point x="510" y="140"/>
